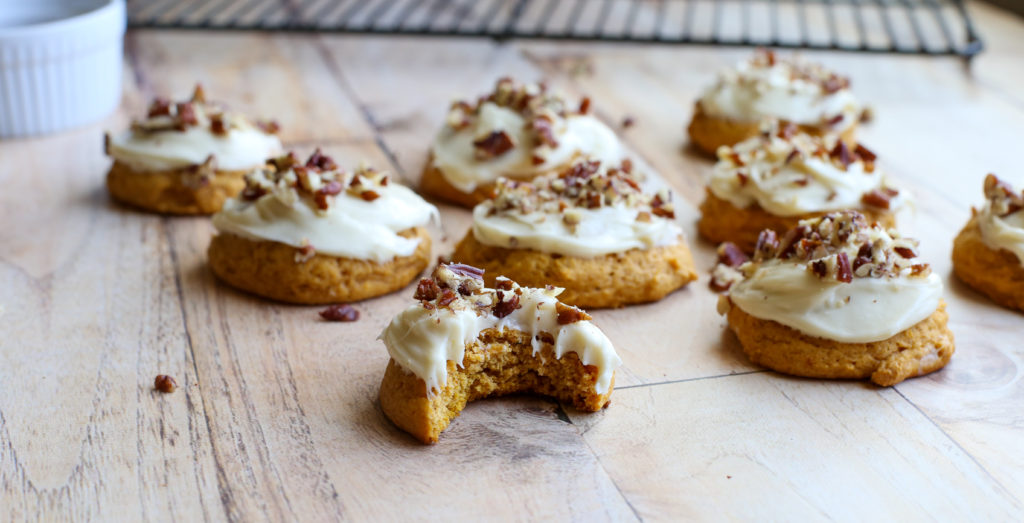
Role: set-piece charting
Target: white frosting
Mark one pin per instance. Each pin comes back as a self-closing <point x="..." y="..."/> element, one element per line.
<point x="755" y="91"/>
<point x="239" y="149"/>
<point x="454" y="153"/>
<point x="806" y="183"/>
<point x="423" y="341"/>
<point x="1002" y="232"/>
<point x="600" y="231"/>
<point x="865" y="310"/>
<point x="350" y="227"/>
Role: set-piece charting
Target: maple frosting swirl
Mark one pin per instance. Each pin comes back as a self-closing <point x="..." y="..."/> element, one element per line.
<point x="185" y="134"/>
<point x="789" y="173"/>
<point x="1001" y="218"/>
<point x="517" y="131"/>
<point x="587" y="209"/>
<point x="766" y="86"/>
<point x="352" y="214"/>
<point x="835" y="277"/>
<point x="455" y="308"/>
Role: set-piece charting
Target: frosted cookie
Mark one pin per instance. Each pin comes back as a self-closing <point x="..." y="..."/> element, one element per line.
<point x="836" y="298"/>
<point x="463" y="342"/>
<point x="313" y="233"/>
<point x="186" y="157"/>
<point x="589" y="228"/>
<point x="989" y="251"/>
<point x="782" y="176"/>
<point x="518" y="132"/>
<point x="767" y="87"/>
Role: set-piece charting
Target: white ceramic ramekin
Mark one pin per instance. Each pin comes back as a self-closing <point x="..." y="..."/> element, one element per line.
<point x="60" y="63"/>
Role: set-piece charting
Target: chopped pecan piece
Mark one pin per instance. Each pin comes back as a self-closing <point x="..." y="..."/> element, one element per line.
<point x="493" y="145"/>
<point x="568" y="314"/>
<point x="842" y="153"/>
<point x="268" y="126"/>
<point x="159" y="107"/>
<point x="905" y="252"/>
<point x="186" y="116"/>
<point x="447" y="296"/>
<point x="427" y="290"/>
<point x="321" y="161"/>
<point x="843" y="271"/>
<point x="730" y="254"/>
<point x="819" y="268"/>
<point x="504" y="307"/>
<point x="767" y="243"/>
<point x="584" y="105"/>
<point x="217" y="125"/>
<point x="468" y="270"/>
<point x="340" y="312"/>
<point x="330" y="189"/>
<point x="165" y="383"/>
<point x="864" y="153"/>
<point x="881" y="198"/>
<point x="835" y="83"/>
<point x="369" y="195"/>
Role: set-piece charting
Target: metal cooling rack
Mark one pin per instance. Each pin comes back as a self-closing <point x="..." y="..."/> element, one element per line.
<point x="934" y="27"/>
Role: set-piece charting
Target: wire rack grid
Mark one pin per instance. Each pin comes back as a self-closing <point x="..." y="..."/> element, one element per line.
<point x="932" y="27"/>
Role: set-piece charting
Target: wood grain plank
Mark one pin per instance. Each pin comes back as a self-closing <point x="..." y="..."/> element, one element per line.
<point x="764" y="446"/>
<point x="265" y="75"/>
<point x="91" y="315"/>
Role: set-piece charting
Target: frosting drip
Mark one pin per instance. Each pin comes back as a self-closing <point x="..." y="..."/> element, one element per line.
<point x="423" y="338"/>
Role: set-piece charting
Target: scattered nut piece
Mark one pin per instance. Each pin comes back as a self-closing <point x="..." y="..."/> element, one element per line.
<point x="164" y="383"/>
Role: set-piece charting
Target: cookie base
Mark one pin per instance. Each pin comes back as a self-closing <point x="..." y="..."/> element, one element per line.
<point x="275" y="270"/>
<point x="612" y="280"/>
<point x="721" y="221"/>
<point x="923" y="348"/>
<point x="997" y="274"/>
<point x="166" y="192"/>
<point x="435" y="184"/>
<point x="709" y="133"/>
<point x="498" y="363"/>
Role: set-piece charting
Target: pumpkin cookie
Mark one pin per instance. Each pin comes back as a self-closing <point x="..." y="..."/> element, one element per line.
<point x="767" y="87"/>
<point x="463" y="342"/>
<point x="783" y="176"/>
<point x="187" y="157"/>
<point x="837" y="298"/>
<point x="518" y="132"/>
<point x="589" y="229"/>
<point x="988" y="252"/>
<point x="316" y="234"/>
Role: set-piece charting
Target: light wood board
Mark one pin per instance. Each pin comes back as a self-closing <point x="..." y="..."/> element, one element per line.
<point x="277" y="416"/>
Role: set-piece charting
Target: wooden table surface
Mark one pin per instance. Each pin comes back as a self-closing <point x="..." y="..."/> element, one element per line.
<point x="277" y="416"/>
